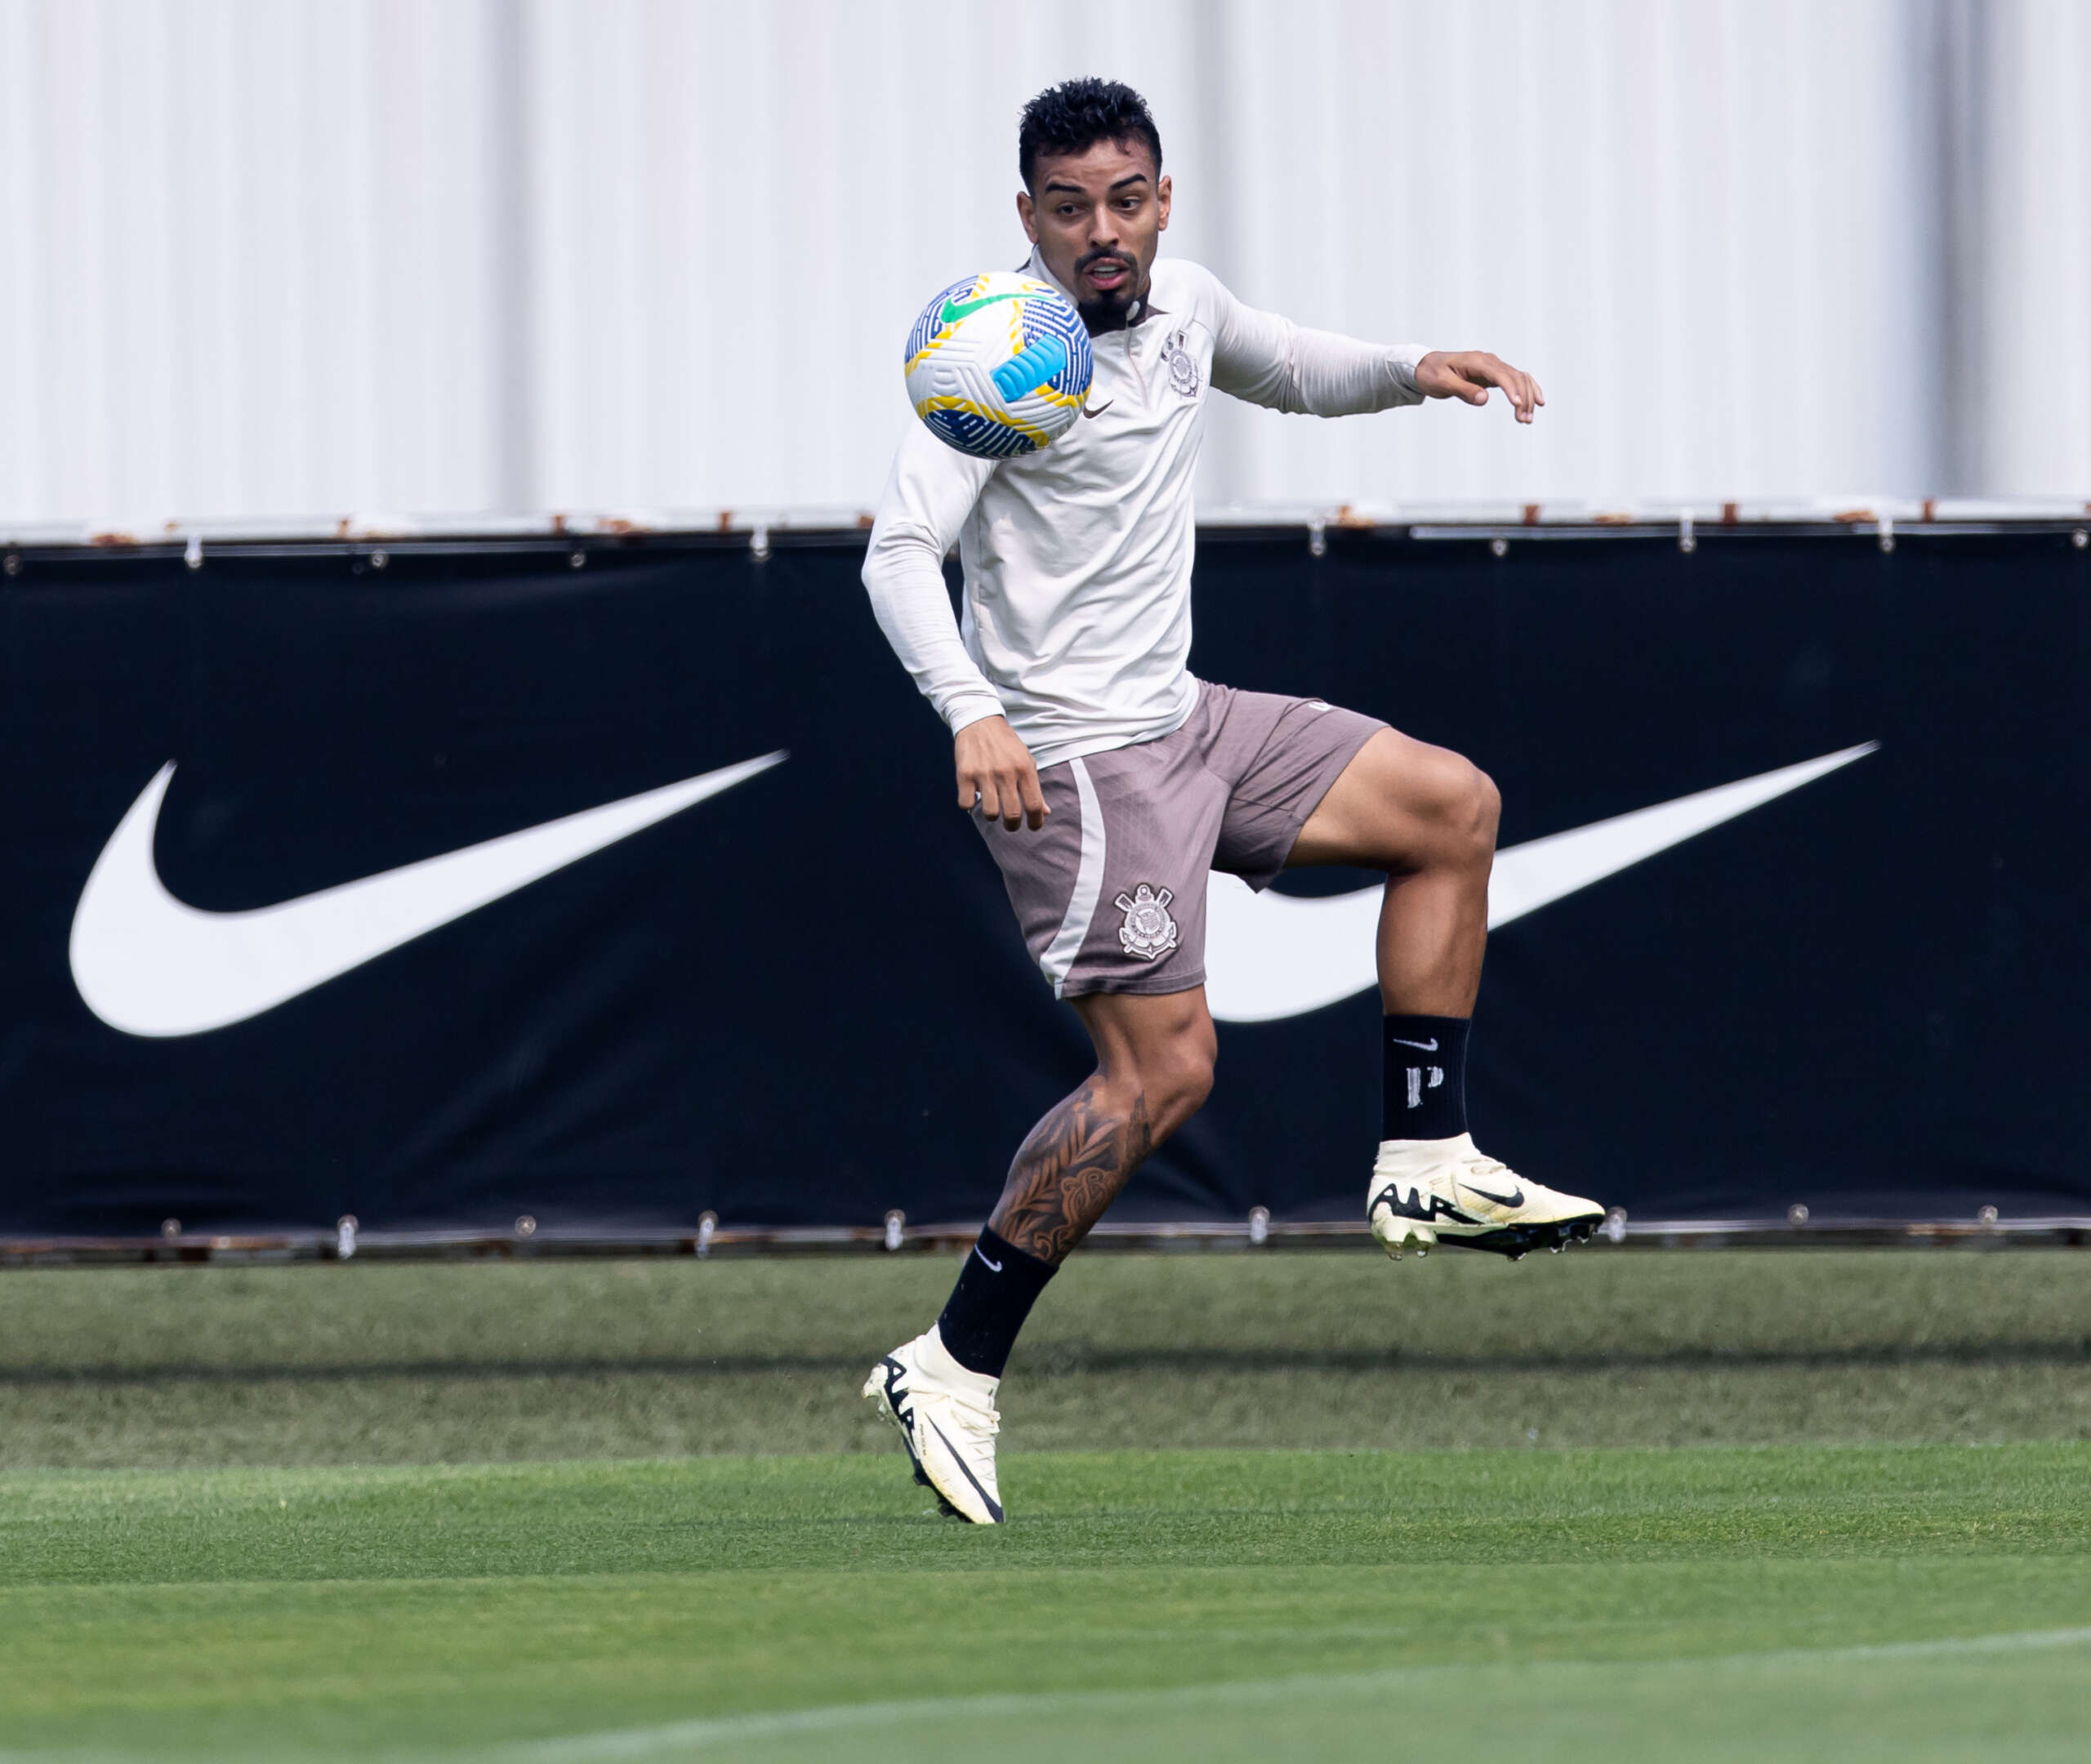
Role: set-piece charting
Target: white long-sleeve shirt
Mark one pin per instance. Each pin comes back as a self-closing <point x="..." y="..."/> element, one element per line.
<point x="1076" y="622"/>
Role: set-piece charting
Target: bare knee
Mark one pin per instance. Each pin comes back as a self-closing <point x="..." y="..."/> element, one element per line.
<point x="1467" y="808"/>
<point x="1485" y="811"/>
<point x="1185" y="1080"/>
<point x="1154" y="1056"/>
<point x="1168" y="1082"/>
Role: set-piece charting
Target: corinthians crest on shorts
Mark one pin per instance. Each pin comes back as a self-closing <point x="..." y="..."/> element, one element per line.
<point x="1149" y="931"/>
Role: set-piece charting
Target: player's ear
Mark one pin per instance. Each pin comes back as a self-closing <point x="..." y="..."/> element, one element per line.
<point x="1162" y="191"/>
<point x="1028" y="214"/>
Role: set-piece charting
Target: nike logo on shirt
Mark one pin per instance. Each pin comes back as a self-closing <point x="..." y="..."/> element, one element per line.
<point x="1425" y="1047"/>
<point x="149" y="964"/>
<point x="1270" y="956"/>
<point x="1098" y="410"/>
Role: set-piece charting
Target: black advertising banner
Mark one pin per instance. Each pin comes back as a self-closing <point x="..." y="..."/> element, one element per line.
<point x="477" y="883"/>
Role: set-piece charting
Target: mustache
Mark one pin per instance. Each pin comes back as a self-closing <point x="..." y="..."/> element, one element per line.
<point x="1097" y="257"/>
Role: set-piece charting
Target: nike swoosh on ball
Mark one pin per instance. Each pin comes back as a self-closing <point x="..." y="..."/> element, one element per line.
<point x="149" y="964"/>
<point x="952" y="313"/>
<point x="1269" y="955"/>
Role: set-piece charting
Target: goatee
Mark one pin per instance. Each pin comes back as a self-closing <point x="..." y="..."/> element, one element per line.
<point x="1114" y="312"/>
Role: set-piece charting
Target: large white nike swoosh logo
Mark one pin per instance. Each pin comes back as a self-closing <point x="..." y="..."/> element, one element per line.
<point x="149" y="965"/>
<point x="1270" y="956"/>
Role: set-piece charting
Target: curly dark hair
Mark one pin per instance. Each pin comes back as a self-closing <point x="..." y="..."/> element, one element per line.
<point x="1075" y="115"/>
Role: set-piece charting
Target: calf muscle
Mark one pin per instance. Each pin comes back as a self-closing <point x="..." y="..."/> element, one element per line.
<point x="1070" y="1169"/>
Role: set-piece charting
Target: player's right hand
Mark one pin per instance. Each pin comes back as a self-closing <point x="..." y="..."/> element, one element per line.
<point x="997" y="773"/>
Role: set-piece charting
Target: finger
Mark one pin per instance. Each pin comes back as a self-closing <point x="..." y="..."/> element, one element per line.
<point x="991" y="803"/>
<point x="1035" y="810"/>
<point x="969" y="791"/>
<point x="1011" y="797"/>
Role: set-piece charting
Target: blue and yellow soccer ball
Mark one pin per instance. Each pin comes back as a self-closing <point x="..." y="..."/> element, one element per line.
<point x="998" y="365"/>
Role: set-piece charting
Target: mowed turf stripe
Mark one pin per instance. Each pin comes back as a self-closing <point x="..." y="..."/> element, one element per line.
<point x="682" y="1737"/>
<point x="652" y="1742"/>
<point x="1841" y="1703"/>
<point x="446" y="1610"/>
<point x="1102" y="1510"/>
<point x="396" y="1363"/>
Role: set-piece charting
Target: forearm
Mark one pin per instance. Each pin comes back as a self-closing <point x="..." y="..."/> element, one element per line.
<point x="1269" y="360"/>
<point x="928" y="498"/>
<point x="1332" y="376"/>
<point x="904" y="578"/>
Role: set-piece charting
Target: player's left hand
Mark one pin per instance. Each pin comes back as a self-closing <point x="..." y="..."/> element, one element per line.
<point x="1467" y="374"/>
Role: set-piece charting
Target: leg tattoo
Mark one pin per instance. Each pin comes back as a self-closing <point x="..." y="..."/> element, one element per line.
<point x="1069" y="1171"/>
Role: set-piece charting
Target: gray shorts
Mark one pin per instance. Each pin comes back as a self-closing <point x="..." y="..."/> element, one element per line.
<point x="1111" y="892"/>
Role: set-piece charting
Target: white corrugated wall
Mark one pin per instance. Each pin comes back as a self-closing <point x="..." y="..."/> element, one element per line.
<point x="2034" y="387"/>
<point x="270" y="257"/>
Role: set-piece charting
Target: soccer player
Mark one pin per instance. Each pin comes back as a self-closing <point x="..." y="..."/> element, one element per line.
<point x="1107" y="779"/>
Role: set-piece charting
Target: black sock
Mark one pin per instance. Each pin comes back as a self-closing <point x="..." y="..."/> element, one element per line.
<point x="1426" y="1088"/>
<point x="996" y="1290"/>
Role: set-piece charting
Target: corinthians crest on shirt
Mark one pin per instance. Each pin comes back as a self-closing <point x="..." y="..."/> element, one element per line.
<point x="1183" y="367"/>
<point x="1149" y="931"/>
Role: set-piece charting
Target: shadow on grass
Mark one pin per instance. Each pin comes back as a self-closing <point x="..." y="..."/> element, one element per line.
<point x="1062" y="1360"/>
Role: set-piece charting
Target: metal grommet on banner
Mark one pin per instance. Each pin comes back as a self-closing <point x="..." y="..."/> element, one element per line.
<point x="1499" y="546"/>
<point x="192" y="553"/>
<point x="1615" y="1225"/>
<point x="1259" y="1225"/>
<point x="170" y="1229"/>
<point x="1885" y="527"/>
<point x="759" y="544"/>
<point x="344" y="1237"/>
<point x="526" y="1226"/>
<point x="577" y="560"/>
<point x="2081" y="538"/>
<point x="893" y="1221"/>
<point x="1688" y="542"/>
<point x="379" y="559"/>
<point x="1317" y="539"/>
<point x="1797" y="1214"/>
<point x="14" y="564"/>
<point x="707" y="1224"/>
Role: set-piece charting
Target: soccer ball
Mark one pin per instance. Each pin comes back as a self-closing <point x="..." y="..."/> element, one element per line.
<point x="998" y="365"/>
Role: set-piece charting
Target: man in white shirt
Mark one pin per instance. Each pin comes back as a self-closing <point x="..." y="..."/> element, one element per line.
<point x="1107" y="780"/>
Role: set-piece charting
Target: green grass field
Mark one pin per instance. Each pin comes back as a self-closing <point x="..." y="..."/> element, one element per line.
<point x="1615" y="1506"/>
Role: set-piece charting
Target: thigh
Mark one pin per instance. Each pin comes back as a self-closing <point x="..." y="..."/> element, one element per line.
<point x="1279" y="757"/>
<point x="1111" y="892"/>
<point x="1136" y="1034"/>
<point x="1396" y="803"/>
